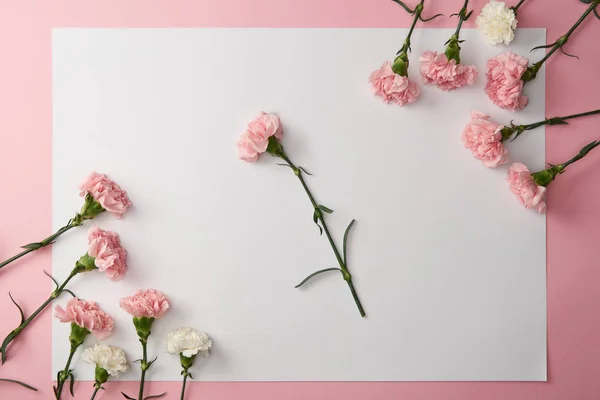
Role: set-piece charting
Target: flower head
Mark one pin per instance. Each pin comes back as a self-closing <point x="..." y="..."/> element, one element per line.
<point x="105" y="192"/>
<point x="484" y="139"/>
<point x="110" y="358"/>
<point x="255" y="140"/>
<point x="504" y="84"/>
<point x="188" y="342"/>
<point x="86" y="314"/>
<point x="148" y="303"/>
<point x="109" y="256"/>
<point x="447" y="74"/>
<point x="393" y="87"/>
<point x="523" y="186"/>
<point x="497" y="22"/>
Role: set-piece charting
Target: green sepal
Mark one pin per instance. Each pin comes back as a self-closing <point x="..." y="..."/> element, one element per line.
<point x="100" y="375"/>
<point x="186" y="362"/>
<point x="89" y="210"/>
<point x="143" y="327"/>
<point x="400" y="64"/>
<point x="86" y="263"/>
<point x="546" y="176"/>
<point x="78" y="335"/>
<point x="275" y="148"/>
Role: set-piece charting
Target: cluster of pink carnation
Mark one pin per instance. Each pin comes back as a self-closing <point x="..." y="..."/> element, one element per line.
<point x="255" y="140"/>
<point x="149" y="303"/>
<point x="504" y="84"/>
<point x="446" y="74"/>
<point x="523" y="186"/>
<point x="87" y="315"/>
<point x="106" y="192"/>
<point x="393" y="87"/>
<point x="483" y="138"/>
<point x="110" y="256"/>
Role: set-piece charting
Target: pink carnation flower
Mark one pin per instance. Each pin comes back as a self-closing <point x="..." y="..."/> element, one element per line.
<point x="106" y="192"/>
<point x="149" y="303"/>
<point x="505" y="86"/>
<point x="255" y="140"/>
<point x="524" y="187"/>
<point x="447" y="75"/>
<point x="87" y="315"/>
<point x="110" y="256"/>
<point x="393" y="87"/>
<point x="484" y="139"/>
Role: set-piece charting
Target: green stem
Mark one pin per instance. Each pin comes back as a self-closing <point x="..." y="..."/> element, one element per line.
<point x="43" y="243"/>
<point x="582" y="153"/>
<point x="462" y="15"/>
<point x="562" y="40"/>
<point x="185" y="376"/>
<point x="64" y="374"/>
<point x="346" y="274"/>
<point x="97" y="388"/>
<point x="17" y="331"/>
<point x="144" y="367"/>
<point x="515" y="8"/>
<point x="418" y="10"/>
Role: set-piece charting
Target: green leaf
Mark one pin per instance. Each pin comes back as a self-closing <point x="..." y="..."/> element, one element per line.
<point x="72" y="384"/>
<point x="19" y="307"/>
<point x="33" y="246"/>
<point x="546" y="46"/>
<point x="429" y="19"/>
<point x="346" y="238"/>
<point x="127" y="397"/>
<point x="315" y="274"/>
<point x="51" y="277"/>
<point x="316" y="221"/>
<point x="19" y="383"/>
<point x="325" y="209"/>
<point x="468" y="15"/>
<point x="305" y="171"/>
<point x="408" y="10"/>
<point x="156" y="396"/>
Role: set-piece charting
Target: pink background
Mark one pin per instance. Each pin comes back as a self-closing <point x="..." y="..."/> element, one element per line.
<point x="25" y="173"/>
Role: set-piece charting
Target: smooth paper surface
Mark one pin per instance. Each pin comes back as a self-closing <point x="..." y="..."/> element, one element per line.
<point x="450" y="268"/>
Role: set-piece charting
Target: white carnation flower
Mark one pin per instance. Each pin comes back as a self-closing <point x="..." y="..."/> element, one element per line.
<point x="497" y="22"/>
<point x="110" y="358"/>
<point x="189" y="342"/>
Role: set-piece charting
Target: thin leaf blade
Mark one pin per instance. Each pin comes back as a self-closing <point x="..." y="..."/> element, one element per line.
<point x="315" y="274"/>
<point x="350" y="225"/>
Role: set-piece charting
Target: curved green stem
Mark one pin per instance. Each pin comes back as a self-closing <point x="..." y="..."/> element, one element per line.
<point x="17" y="331"/>
<point x="64" y="374"/>
<point x="43" y="243"/>
<point x="346" y="274"/>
